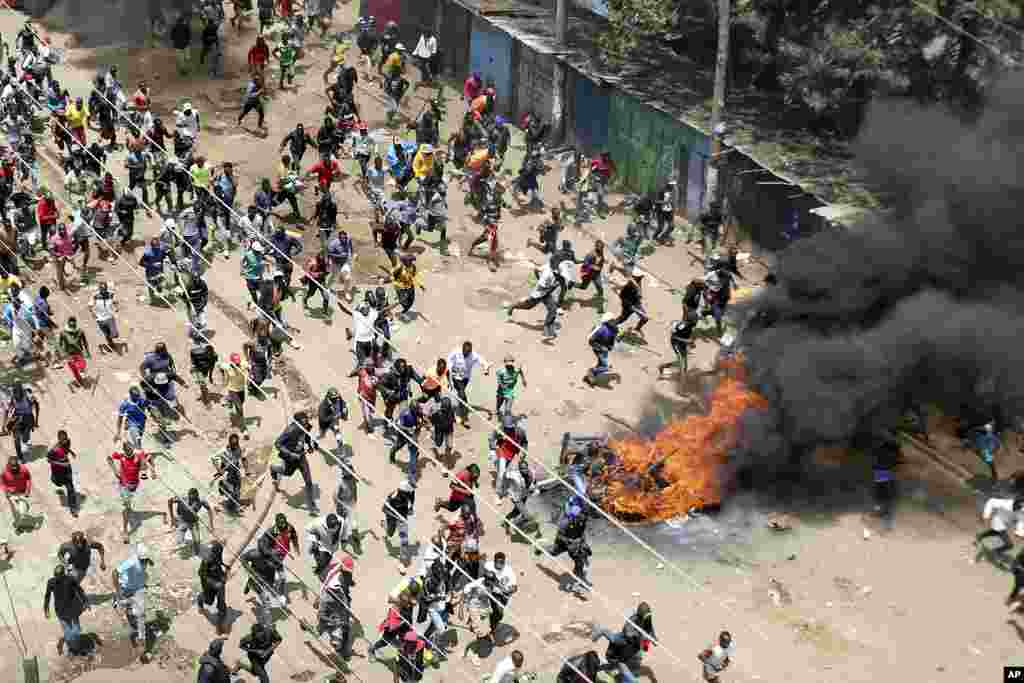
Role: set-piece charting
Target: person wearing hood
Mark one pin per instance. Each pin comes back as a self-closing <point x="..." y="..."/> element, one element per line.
<point x="212" y="582"/>
<point x="259" y="646"/>
<point x="332" y="412"/>
<point x="602" y="340"/>
<point x="323" y="538"/>
<point x="292" y="447"/>
<point x="212" y="668"/>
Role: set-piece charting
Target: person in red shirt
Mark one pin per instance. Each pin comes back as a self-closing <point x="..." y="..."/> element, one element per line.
<point x="472" y="88"/>
<point x="326" y="171"/>
<point x="259" y="55"/>
<point x="61" y="474"/>
<point x="132" y="464"/>
<point x="276" y="543"/>
<point x="285" y="8"/>
<point x="141" y="97"/>
<point x="461" y="492"/>
<point x="367" y="391"/>
<point x="602" y="169"/>
<point x="46" y="215"/>
<point x="17" y="484"/>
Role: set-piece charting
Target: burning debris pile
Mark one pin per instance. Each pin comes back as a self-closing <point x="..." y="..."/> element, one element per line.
<point x="681" y="467"/>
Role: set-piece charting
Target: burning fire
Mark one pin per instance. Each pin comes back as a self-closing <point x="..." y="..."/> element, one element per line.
<point x="690" y="451"/>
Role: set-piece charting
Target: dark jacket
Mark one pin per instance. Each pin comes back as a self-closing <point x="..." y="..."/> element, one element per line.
<point x="261" y="648"/>
<point x="69" y="599"/>
<point x="212" y="670"/>
<point x="181" y="35"/>
<point x="294" y="440"/>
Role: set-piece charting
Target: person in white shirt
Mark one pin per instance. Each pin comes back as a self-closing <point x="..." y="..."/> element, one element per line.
<point x="1001" y="514"/>
<point x="460" y="372"/>
<point x="545" y="291"/>
<point x="509" y="670"/>
<point x="718" y="658"/>
<point x="104" y="308"/>
<point x="364" y="318"/>
<point x="425" y="52"/>
<point x="501" y="580"/>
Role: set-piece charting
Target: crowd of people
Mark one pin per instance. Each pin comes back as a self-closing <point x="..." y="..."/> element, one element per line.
<point x="202" y="217"/>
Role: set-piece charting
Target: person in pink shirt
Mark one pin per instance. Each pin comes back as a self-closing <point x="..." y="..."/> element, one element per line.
<point x="472" y="88"/>
<point x="62" y="246"/>
<point x="16" y="481"/>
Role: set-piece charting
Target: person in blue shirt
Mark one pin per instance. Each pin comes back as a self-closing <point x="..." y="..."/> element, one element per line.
<point x="44" y="314"/>
<point x="602" y="340"/>
<point x="152" y="263"/>
<point x="986" y="442"/>
<point x="410" y="422"/>
<point x="131" y="415"/>
<point x="130" y="592"/>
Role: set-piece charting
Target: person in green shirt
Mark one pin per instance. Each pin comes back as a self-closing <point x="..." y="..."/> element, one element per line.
<point x="73" y="343"/>
<point x="287" y="55"/>
<point x="251" y="270"/>
<point x="508" y="377"/>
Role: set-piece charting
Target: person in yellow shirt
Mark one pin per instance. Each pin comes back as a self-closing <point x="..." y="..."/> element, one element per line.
<point x="423" y="162"/>
<point x="235" y="377"/>
<point x="77" y="114"/>
<point x="406" y="279"/>
<point x="394" y="65"/>
<point x="201" y="179"/>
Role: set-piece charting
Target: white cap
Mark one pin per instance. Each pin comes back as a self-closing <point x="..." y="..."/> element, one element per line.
<point x="608" y="317"/>
<point x="257" y="246"/>
<point x="170" y="224"/>
<point x="141" y="551"/>
<point x="405" y="486"/>
<point x="400" y="47"/>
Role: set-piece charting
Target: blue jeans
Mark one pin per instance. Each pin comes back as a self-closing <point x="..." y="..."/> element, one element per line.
<point x="602" y="360"/>
<point x="414" y="454"/>
<point x="193" y="249"/>
<point x="625" y="675"/>
<point x="72" y="632"/>
<point x="576" y="477"/>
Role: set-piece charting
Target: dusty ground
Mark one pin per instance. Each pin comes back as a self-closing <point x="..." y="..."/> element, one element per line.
<point x="841" y="607"/>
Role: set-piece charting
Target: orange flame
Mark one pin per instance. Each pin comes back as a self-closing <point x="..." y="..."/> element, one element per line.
<point x="692" y="450"/>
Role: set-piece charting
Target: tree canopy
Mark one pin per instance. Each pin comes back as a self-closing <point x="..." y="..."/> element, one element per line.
<point x="826" y="59"/>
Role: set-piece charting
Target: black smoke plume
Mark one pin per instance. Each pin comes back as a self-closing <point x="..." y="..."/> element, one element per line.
<point x="925" y="306"/>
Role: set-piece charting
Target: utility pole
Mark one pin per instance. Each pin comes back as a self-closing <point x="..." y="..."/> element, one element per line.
<point x="713" y="190"/>
<point x="559" y="75"/>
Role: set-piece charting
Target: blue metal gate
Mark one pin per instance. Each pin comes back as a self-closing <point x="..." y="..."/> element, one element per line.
<point x="592" y="110"/>
<point x="490" y="54"/>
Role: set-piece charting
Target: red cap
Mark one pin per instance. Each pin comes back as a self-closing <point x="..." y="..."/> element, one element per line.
<point x="347" y="563"/>
<point x="411" y="636"/>
<point x="236" y="359"/>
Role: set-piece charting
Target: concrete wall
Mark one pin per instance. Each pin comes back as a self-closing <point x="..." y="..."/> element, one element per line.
<point x="108" y="22"/>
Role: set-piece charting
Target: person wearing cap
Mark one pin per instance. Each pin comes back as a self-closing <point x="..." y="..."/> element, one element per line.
<point x="334" y="605"/>
<point x="212" y="668"/>
<point x="718" y="657"/>
<point x="186" y="522"/>
<point x="412" y="658"/>
<point x="251" y="269"/>
<point x="423" y="162"/>
<point x="130" y="578"/>
<point x="297" y="141"/>
<point x="461" y="363"/>
<point x="292" y="446"/>
<point x="259" y="646"/>
<point x="602" y="340"/>
<point x="666" y="209"/>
